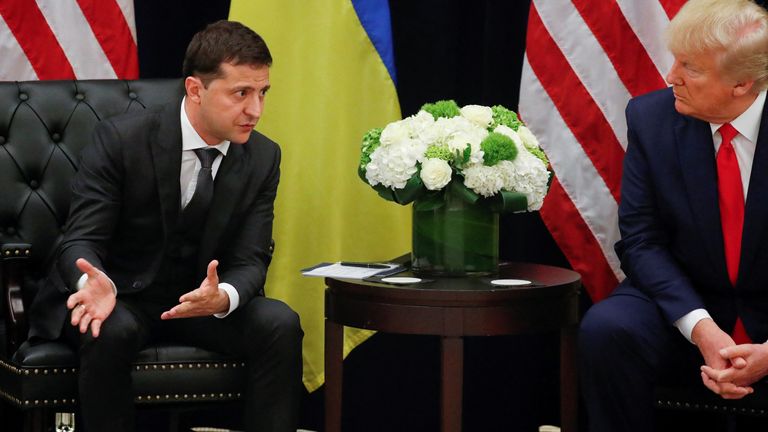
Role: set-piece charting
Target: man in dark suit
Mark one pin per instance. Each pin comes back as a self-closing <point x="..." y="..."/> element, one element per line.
<point x="168" y="238"/>
<point x="694" y="226"/>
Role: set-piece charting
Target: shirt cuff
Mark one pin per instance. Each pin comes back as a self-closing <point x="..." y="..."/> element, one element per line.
<point x="234" y="299"/>
<point x="689" y="321"/>
<point x="84" y="278"/>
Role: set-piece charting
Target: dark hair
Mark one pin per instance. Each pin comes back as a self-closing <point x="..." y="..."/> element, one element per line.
<point x="223" y="42"/>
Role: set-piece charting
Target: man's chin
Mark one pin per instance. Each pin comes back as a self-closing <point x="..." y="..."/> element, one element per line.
<point x="240" y="137"/>
<point x="682" y="108"/>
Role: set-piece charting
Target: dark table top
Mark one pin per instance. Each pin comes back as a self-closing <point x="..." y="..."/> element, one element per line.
<point x="546" y="281"/>
<point x="460" y="306"/>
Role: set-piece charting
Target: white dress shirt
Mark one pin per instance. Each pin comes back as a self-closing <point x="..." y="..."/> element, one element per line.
<point x="747" y="125"/>
<point x="190" y="166"/>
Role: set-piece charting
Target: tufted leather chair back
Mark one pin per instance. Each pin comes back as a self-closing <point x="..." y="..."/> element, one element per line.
<point x="43" y="127"/>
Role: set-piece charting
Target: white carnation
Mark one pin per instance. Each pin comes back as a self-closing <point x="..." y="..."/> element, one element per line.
<point x="477" y="114"/>
<point x="484" y="180"/>
<point x="435" y="173"/>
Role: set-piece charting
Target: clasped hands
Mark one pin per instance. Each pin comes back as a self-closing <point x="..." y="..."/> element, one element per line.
<point x="729" y="369"/>
<point x="92" y="304"/>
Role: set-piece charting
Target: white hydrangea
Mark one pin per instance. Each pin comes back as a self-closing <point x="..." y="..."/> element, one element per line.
<point x="484" y="180"/>
<point x="435" y="173"/>
<point x="478" y="114"/>
<point x="528" y="175"/>
<point x="394" y="164"/>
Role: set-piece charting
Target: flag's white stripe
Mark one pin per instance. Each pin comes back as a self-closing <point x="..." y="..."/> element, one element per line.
<point x="76" y="38"/>
<point x="573" y="168"/>
<point x="648" y="19"/>
<point x="14" y="65"/>
<point x="128" y="12"/>
<point x="588" y="60"/>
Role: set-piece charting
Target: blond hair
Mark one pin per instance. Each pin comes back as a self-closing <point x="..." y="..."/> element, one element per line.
<point x="735" y="30"/>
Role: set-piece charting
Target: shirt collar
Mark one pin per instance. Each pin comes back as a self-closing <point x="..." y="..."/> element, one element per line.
<point x="191" y="140"/>
<point x="748" y="123"/>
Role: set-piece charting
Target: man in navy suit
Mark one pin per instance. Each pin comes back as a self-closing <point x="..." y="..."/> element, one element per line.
<point x="168" y="238"/>
<point x="694" y="226"/>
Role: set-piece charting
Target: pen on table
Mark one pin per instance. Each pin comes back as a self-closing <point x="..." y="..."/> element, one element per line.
<point x="364" y="265"/>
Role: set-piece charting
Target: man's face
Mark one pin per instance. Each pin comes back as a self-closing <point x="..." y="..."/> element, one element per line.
<point x="701" y="90"/>
<point x="231" y="105"/>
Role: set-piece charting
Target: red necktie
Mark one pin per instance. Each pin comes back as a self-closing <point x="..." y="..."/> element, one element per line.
<point x="731" y="200"/>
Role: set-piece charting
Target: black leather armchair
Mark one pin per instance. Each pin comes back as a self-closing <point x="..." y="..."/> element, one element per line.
<point x="43" y="127"/>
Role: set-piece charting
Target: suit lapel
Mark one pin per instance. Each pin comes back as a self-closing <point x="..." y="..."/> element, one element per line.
<point x="230" y="180"/>
<point x="166" y="157"/>
<point x="699" y="171"/>
<point x="756" y="209"/>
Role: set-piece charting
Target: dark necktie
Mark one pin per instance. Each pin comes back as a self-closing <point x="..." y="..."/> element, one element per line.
<point x="197" y="208"/>
<point x="731" y="201"/>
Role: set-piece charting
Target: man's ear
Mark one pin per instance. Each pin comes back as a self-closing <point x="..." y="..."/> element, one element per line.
<point x="193" y="87"/>
<point x="742" y="88"/>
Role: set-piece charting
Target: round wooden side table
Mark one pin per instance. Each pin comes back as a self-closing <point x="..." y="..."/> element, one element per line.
<point x="453" y="308"/>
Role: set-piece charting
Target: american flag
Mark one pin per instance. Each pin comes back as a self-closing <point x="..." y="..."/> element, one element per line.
<point x="584" y="60"/>
<point x="67" y="39"/>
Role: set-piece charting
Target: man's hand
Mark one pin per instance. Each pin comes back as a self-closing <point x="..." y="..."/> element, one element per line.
<point x="710" y="339"/>
<point x="92" y="304"/>
<point x="756" y="358"/>
<point x="204" y="301"/>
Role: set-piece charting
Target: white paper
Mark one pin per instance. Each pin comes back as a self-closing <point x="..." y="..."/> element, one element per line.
<point x="337" y="270"/>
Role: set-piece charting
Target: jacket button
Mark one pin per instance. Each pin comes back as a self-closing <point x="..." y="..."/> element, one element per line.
<point x="137" y="285"/>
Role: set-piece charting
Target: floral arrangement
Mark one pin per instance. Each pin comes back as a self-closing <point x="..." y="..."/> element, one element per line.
<point x="477" y="152"/>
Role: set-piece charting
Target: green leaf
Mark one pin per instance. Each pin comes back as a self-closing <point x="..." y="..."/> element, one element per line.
<point x="458" y="189"/>
<point x="413" y="189"/>
<point x="385" y="192"/>
<point x="467" y="154"/>
<point x="506" y="202"/>
<point x="361" y="174"/>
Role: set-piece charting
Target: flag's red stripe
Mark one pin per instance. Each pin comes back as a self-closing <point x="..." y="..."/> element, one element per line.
<point x="108" y="24"/>
<point x="628" y="56"/>
<point x="576" y="107"/>
<point x="671" y="7"/>
<point x="31" y="30"/>
<point x="578" y="244"/>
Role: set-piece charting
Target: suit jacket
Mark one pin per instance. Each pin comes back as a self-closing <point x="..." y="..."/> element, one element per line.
<point x="672" y="243"/>
<point x="126" y="196"/>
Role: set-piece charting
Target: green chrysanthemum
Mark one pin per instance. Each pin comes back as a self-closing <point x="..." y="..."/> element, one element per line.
<point x="498" y="147"/>
<point x="438" y="152"/>
<point x="443" y="108"/>
<point x="371" y="141"/>
<point x="503" y="116"/>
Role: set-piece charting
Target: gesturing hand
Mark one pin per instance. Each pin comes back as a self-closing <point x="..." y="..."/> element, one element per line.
<point x="92" y="304"/>
<point x="204" y="301"/>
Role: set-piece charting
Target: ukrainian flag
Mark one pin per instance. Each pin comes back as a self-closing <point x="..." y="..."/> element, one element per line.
<point x="332" y="80"/>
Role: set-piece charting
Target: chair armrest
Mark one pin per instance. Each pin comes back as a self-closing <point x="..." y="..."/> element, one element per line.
<point x="13" y="257"/>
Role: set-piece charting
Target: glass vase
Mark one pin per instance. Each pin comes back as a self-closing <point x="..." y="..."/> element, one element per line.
<point x="455" y="239"/>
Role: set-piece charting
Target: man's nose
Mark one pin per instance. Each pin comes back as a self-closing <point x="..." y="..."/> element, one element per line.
<point x="673" y="76"/>
<point x="255" y="107"/>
